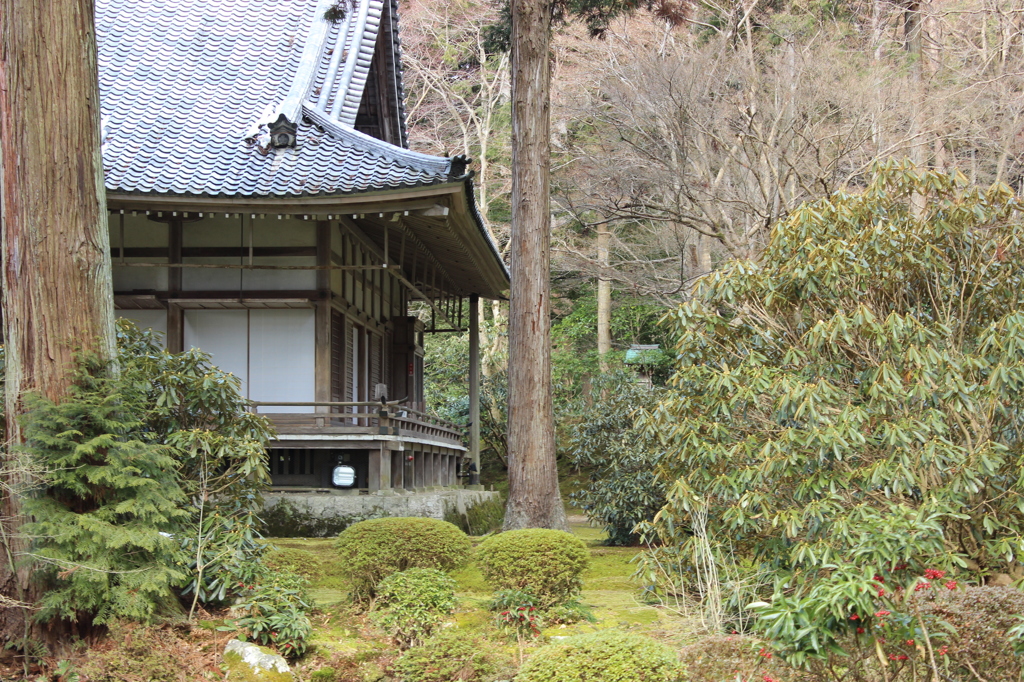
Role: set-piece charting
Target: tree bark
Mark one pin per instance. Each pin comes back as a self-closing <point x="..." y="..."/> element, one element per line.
<point x="57" y="297"/>
<point x="604" y="297"/>
<point x="534" y="500"/>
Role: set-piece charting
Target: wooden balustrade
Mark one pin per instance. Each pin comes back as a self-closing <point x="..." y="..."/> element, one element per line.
<point x="368" y="418"/>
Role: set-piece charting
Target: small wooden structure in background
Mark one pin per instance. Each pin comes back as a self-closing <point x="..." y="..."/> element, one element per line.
<point x="645" y="358"/>
<point x="266" y="210"/>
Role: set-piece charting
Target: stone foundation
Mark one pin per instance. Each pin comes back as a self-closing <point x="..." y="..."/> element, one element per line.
<point x="332" y="510"/>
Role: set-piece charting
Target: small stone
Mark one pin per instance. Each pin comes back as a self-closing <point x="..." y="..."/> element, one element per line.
<point x="1000" y="580"/>
<point x="247" y="662"/>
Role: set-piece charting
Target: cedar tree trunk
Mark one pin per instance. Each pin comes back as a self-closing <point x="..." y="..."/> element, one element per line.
<point x="57" y="296"/>
<point x="534" y="500"/>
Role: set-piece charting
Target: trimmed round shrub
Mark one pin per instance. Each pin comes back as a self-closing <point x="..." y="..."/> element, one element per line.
<point x="412" y="603"/>
<point x="729" y="657"/>
<point x="609" y="656"/>
<point x="372" y="550"/>
<point x="451" y="655"/>
<point x="980" y="618"/>
<point x="548" y="564"/>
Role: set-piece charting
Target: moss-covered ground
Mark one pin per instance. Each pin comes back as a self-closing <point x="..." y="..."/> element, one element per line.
<point x="608" y="591"/>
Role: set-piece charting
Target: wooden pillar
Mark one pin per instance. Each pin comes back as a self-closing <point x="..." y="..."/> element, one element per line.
<point x="385" y="467"/>
<point x="418" y="470"/>
<point x="175" y="328"/>
<point x="373" y="481"/>
<point x="397" y="469"/>
<point x="474" y="379"/>
<point x="175" y="315"/>
<point x="322" y="321"/>
<point x="437" y="469"/>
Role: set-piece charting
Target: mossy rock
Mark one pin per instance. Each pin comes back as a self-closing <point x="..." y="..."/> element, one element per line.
<point x="247" y="662"/>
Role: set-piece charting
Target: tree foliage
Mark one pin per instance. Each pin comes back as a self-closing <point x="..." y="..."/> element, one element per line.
<point x="622" y="488"/>
<point x="220" y="449"/>
<point x="110" y="501"/>
<point x="150" y="479"/>
<point x="849" y="404"/>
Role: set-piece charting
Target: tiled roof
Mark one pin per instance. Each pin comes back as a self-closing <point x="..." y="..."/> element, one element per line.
<point x="189" y="86"/>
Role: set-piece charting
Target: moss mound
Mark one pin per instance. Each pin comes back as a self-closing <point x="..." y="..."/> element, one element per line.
<point x="372" y="550"/>
<point x="548" y="564"/>
<point x="452" y="655"/>
<point x="609" y="656"/>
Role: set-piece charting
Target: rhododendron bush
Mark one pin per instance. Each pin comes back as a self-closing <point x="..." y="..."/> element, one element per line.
<point x="847" y="410"/>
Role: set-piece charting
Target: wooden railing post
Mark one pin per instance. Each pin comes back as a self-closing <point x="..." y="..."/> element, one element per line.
<point x="384" y="422"/>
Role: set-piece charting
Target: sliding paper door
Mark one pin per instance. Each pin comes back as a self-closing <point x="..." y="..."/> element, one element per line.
<point x="281" y="357"/>
<point x="270" y="351"/>
<point x="224" y="334"/>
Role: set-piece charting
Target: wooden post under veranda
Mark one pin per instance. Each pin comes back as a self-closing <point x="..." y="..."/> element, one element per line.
<point x="474" y="379"/>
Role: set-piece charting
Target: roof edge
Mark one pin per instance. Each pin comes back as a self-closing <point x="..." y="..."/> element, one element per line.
<point x="440" y="165"/>
<point x="467" y="180"/>
<point x="309" y="203"/>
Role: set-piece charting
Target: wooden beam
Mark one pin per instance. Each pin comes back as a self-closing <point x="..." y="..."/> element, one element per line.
<point x="365" y="241"/>
<point x="365" y="202"/>
<point x="217" y="251"/>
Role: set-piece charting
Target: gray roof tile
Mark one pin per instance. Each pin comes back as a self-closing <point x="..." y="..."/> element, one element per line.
<point x="184" y="82"/>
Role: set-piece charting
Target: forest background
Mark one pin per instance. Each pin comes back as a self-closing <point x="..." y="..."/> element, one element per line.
<point x="680" y="136"/>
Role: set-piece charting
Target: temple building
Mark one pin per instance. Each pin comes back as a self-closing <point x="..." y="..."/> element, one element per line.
<point x="266" y="209"/>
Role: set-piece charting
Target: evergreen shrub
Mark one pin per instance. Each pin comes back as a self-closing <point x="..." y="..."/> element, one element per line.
<point x="451" y="655"/>
<point x="846" y="408"/>
<point x="729" y="657"/>
<point x="107" y="502"/>
<point x="609" y="656"/>
<point x="276" y="608"/>
<point x="548" y="564"/>
<point x="412" y="603"/>
<point x="374" y="549"/>
<point x="620" y="460"/>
